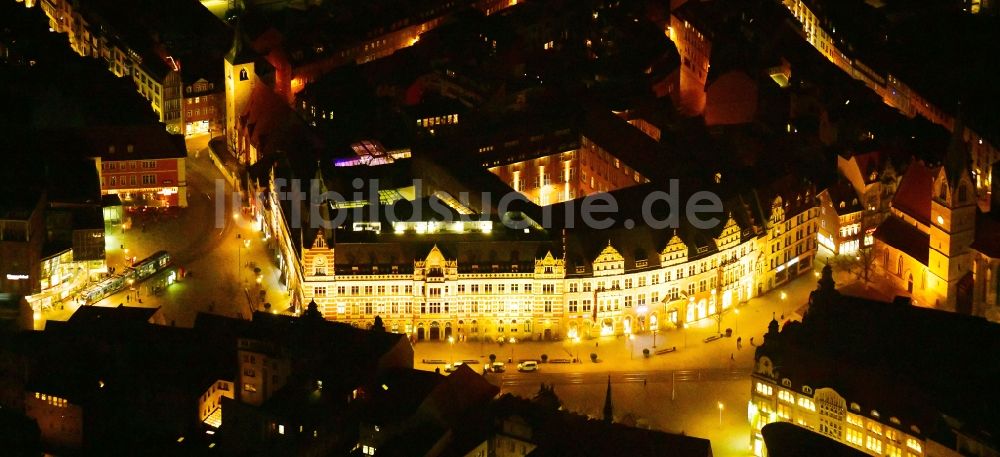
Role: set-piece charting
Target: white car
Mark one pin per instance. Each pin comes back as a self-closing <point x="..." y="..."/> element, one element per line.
<point x="528" y="365"/>
<point x="452" y="367"/>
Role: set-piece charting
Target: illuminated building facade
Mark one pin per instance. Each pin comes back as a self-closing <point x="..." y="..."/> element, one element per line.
<point x="604" y="153"/>
<point x="104" y="31"/>
<point x="865" y="390"/>
<point x="840" y="225"/>
<point x="466" y="283"/>
<point x="925" y="246"/>
<point x="695" y="49"/>
<point x="874" y="181"/>
<point x="203" y="108"/>
<point x="143" y="165"/>
<point x="898" y="94"/>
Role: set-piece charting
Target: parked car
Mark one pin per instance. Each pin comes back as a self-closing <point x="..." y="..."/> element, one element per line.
<point x="452" y="367"/>
<point x="495" y="367"/>
<point x="527" y="365"/>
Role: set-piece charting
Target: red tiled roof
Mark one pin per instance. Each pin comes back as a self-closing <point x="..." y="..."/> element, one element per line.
<point x="264" y="114"/>
<point x="904" y="237"/>
<point x="914" y="194"/>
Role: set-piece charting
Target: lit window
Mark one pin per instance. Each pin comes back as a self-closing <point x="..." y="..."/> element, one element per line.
<point x="764" y="389"/>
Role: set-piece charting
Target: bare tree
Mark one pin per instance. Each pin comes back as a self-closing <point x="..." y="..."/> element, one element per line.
<point x="860" y="264"/>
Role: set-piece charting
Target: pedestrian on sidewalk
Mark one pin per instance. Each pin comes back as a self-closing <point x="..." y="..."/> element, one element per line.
<point x="739" y="343"/>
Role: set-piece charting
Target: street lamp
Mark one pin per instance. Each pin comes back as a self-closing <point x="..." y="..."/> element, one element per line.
<point x="576" y="345"/>
<point x="239" y="256"/>
<point x="451" y="341"/>
<point x="720" y="413"/>
<point x="512" y="340"/>
<point x="736" y="312"/>
<point x="631" y="352"/>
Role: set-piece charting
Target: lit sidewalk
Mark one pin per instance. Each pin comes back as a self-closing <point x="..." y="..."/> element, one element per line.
<point x="624" y="354"/>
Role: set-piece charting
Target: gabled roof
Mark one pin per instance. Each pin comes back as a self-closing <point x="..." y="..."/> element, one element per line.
<point x="844" y="198"/>
<point x="913" y="196"/>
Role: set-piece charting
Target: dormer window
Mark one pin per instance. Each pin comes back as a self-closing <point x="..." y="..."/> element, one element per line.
<point x="111" y="149"/>
<point x="129" y="148"/>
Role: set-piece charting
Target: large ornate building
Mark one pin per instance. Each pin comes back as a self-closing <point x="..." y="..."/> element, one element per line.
<point x="437" y="280"/>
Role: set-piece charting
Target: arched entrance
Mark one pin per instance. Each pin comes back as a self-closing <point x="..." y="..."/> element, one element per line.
<point x="420" y="332"/>
<point x="653" y="323"/>
<point x="607" y="326"/>
<point x="461" y="331"/>
<point x="435" y="331"/>
<point x="574" y="330"/>
<point x="447" y="330"/>
<point x="627" y="325"/>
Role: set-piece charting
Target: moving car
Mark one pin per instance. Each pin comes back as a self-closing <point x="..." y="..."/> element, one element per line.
<point x="528" y="365"/>
<point x="452" y="367"/>
<point x="496" y="367"/>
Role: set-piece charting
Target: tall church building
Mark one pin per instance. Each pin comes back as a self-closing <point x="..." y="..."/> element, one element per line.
<point x="925" y="246"/>
<point x="952" y="230"/>
<point x="240" y="79"/>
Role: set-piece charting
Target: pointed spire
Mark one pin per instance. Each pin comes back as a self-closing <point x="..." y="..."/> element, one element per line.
<point x="956" y="161"/>
<point x="608" y="408"/>
<point x="240" y="52"/>
<point x="772" y="328"/>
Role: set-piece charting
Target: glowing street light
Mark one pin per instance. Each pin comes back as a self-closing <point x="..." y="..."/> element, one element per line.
<point x="720" y="413"/>
<point x="451" y="341"/>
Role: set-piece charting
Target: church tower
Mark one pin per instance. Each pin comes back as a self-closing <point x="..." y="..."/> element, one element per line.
<point x="240" y="79"/>
<point x="953" y="223"/>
